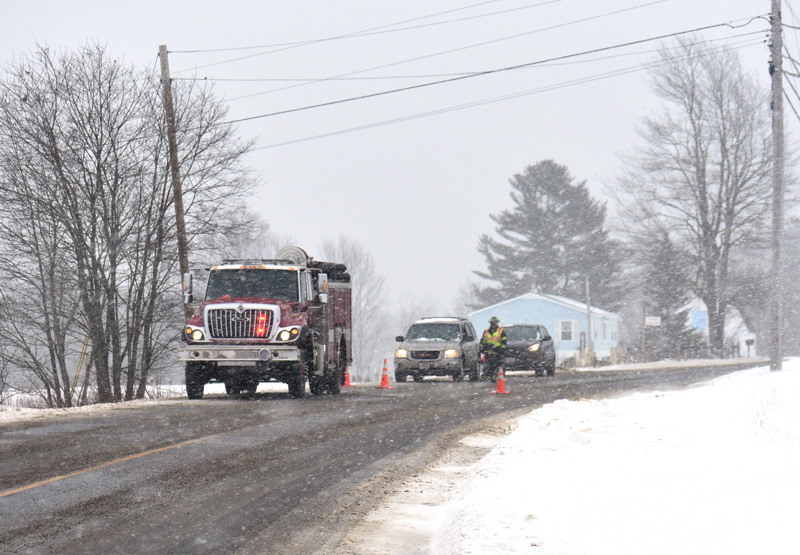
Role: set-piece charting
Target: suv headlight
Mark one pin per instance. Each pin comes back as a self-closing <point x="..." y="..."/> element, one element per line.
<point x="533" y="348"/>
<point x="451" y="353"/>
<point x="401" y="353"/>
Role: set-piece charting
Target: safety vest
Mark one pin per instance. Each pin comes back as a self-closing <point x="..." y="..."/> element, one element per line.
<point x="493" y="339"/>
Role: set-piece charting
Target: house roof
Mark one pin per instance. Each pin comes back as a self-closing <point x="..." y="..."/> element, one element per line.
<point x="563" y="301"/>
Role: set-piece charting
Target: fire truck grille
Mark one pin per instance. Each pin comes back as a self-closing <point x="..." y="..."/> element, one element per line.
<point x="425" y="355"/>
<point x="227" y="323"/>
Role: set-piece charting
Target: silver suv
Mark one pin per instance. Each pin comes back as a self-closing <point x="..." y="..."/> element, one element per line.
<point x="445" y="346"/>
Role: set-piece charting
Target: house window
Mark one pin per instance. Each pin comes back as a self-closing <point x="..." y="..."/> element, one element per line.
<point x="566" y="330"/>
<point x="605" y="330"/>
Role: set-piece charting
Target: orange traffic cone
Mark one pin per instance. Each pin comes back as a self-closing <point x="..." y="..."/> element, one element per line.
<point x="385" y="378"/>
<point x="347" y="378"/>
<point x="501" y="382"/>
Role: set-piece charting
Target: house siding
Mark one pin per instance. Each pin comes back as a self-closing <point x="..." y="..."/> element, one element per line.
<point x="551" y="311"/>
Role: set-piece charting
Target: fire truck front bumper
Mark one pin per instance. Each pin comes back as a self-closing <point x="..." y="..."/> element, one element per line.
<point x="239" y="355"/>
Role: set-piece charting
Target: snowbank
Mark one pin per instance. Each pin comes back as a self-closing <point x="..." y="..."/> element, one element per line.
<point x="713" y="469"/>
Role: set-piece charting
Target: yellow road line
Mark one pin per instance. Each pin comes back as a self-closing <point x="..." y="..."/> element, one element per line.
<point x="104" y="465"/>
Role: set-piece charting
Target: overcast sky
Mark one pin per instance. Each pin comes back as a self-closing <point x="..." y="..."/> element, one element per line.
<point x="417" y="182"/>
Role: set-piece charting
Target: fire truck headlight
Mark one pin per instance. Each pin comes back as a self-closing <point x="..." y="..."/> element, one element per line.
<point x="451" y="353"/>
<point x="288" y="335"/>
<point x="196" y="335"/>
<point x="401" y="353"/>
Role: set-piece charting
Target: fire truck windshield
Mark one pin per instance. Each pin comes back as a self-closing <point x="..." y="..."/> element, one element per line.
<point x="274" y="284"/>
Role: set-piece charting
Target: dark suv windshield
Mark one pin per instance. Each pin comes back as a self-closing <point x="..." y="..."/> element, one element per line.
<point x="523" y="333"/>
<point x="274" y="284"/>
<point x="442" y="332"/>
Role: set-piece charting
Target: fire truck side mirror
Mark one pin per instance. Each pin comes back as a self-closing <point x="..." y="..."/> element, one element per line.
<point x="322" y="288"/>
<point x="187" y="289"/>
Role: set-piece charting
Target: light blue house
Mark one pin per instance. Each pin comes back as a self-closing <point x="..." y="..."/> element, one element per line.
<point x="566" y="320"/>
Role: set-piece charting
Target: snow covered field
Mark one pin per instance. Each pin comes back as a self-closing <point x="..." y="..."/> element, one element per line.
<point x="711" y="470"/>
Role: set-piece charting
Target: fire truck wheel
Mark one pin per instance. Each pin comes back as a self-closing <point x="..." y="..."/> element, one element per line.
<point x="232" y="388"/>
<point x="195" y="380"/>
<point x="316" y="384"/>
<point x="296" y="380"/>
<point x="336" y="377"/>
<point x="249" y="387"/>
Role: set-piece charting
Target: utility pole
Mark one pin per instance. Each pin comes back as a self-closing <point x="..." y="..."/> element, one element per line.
<point x="589" y="337"/>
<point x="776" y="71"/>
<point x="180" y="224"/>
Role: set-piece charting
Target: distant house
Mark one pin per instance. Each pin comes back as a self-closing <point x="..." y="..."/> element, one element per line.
<point x="739" y="340"/>
<point x="566" y="320"/>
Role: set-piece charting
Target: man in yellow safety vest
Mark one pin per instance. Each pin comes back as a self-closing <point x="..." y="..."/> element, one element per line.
<point x="493" y="348"/>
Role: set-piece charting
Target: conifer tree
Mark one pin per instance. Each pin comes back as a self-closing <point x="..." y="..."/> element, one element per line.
<point x="551" y="241"/>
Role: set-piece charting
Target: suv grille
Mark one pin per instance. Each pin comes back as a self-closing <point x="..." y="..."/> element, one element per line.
<point x="425" y="355"/>
<point x="227" y="323"/>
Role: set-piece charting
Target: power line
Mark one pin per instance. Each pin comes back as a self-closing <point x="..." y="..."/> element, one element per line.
<point x="460" y="49"/>
<point x="434" y="75"/>
<point x="580" y="81"/>
<point x="376" y="30"/>
<point x="483" y="73"/>
<point x="291" y="46"/>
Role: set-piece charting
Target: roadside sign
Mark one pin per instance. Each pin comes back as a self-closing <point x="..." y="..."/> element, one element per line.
<point x="652" y="320"/>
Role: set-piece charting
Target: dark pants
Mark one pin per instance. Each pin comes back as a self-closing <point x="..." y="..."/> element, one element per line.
<point x="491" y="368"/>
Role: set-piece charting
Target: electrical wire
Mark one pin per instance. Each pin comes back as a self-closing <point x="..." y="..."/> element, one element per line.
<point x="379" y="30"/>
<point x="437" y="75"/>
<point x="548" y="88"/>
<point x="483" y="73"/>
<point x="460" y="49"/>
<point x="348" y="35"/>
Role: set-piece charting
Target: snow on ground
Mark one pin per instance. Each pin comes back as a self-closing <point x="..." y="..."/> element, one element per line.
<point x="711" y="469"/>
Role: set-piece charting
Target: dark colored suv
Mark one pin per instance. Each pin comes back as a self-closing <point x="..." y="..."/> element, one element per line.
<point x="445" y="346"/>
<point x="530" y="347"/>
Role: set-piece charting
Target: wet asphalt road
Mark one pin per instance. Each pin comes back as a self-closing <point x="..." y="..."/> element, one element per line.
<point x="270" y="475"/>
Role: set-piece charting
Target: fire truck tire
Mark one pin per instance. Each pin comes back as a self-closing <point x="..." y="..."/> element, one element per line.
<point x="316" y="384"/>
<point x="249" y="387"/>
<point x="232" y="388"/>
<point x="336" y="378"/>
<point x="296" y="380"/>
<point x="195" y="380"/>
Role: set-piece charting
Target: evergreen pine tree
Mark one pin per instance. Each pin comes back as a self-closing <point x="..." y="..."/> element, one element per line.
<point x="666" y="290"/>
<point x="550" y="241"/>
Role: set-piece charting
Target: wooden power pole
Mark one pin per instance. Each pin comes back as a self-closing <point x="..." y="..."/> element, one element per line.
<point x="180" y="224"/>
<point x="776" y="71"/>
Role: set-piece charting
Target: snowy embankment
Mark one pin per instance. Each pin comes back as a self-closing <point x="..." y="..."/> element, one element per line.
<point x="711" y="469"/>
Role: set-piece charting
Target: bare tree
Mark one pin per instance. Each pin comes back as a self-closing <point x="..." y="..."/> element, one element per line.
<point x="371" y="336"/>
<point x="83" y="152"/>
<point x="701" y="177"/>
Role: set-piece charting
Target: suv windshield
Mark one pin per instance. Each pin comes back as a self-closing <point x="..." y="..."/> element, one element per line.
<point x="273" y="284"/>
<point x="523" y="333"/>
<point x="433" y="332"/>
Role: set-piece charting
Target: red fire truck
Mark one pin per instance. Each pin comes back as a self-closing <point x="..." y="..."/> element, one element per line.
<point x="286" y="319"/>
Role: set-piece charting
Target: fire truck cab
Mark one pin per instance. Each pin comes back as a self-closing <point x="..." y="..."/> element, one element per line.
<point x="286" y="319"/>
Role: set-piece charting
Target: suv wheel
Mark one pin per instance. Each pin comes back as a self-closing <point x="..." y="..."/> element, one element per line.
<point x="458" y="375"/>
